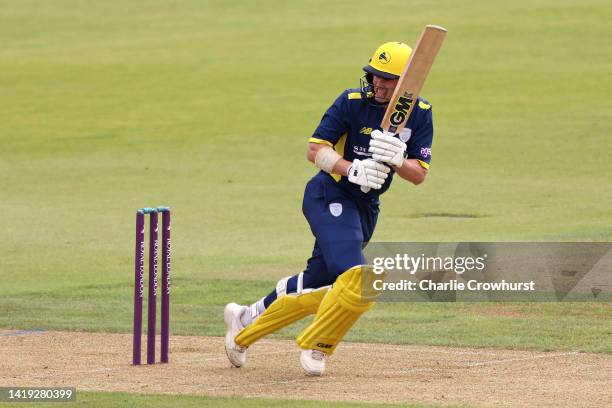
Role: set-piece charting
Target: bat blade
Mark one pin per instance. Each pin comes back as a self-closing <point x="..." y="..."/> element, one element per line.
<point x="412" y="79"/>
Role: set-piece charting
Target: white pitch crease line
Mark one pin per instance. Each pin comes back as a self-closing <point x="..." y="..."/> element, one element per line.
<point x="373" y="346"/>
<point x="52" y="372"/>
<point x="274" y="342"/>
<point x="224" y="387"/>
<point x="410" y="371"/>
<point x="460" y="366"/>
<point x="254" y="354"/>
<point x="396" y="347"/>
<point x="510" y="360"/>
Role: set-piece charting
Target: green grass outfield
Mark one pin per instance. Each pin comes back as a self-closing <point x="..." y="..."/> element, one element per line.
<point x="206" y="106"/>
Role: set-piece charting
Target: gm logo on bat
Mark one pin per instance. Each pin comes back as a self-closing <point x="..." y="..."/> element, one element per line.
<point x="401" y="109"/>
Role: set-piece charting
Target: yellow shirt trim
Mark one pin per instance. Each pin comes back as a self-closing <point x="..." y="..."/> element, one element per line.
<point x="320" y="141"/>
<point x="424" y="106"/>
<point x="354" y="95"/>
<point x="339" y="148"/>
<point x="423" y="164"/>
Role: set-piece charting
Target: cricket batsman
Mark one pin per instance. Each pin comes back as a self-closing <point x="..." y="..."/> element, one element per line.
<point x="353" y="156"/>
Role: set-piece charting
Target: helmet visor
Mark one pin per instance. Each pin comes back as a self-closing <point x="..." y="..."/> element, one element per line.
<point x="371" y="70"/>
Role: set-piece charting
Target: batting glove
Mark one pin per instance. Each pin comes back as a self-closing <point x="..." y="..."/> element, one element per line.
<point x="368" y="173"/>
<point x="386" y="148"/>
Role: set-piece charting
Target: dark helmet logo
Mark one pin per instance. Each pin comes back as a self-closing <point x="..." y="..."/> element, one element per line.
<point x="384" y="57"/>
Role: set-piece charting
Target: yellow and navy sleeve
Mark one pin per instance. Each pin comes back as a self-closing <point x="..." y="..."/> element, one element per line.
<point x="334" y="124"/>
<point x="419" y="145"/>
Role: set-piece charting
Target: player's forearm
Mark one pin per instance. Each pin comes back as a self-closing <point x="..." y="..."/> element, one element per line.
<point x="365" y="173"/>
<point x="341" y="167"/>
<point x="412" y="171"/>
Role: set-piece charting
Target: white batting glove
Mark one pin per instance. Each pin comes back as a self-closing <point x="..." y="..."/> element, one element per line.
<point x="387" y="149"/>
<point x="368" y="173"/>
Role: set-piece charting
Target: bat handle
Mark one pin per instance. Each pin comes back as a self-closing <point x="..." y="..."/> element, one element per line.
<point x="388" y="132"/>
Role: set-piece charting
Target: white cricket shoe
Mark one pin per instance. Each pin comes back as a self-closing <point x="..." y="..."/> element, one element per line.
<point x="313" y="362"/>
<point x="231" y="315"/>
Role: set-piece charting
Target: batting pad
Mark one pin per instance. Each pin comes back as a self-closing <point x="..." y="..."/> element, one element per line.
<point x="283" y="311"/>
<point x="339" y="310"/>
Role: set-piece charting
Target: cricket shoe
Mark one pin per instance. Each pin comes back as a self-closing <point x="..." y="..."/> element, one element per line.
<point x="231" y="315"/>
<point x="313" y="362"/>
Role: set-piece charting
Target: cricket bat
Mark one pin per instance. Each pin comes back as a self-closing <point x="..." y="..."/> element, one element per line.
<point x="412" y="80"/>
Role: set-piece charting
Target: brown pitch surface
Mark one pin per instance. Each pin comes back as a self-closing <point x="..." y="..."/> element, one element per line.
<point x="356" y="372"/>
